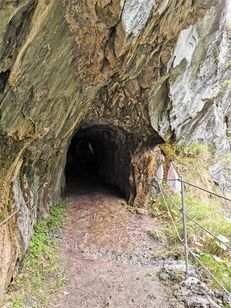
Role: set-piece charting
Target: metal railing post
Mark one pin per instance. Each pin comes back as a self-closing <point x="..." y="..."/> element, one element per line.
<point x="185" y="215"/>
<point x="184" y="227"/>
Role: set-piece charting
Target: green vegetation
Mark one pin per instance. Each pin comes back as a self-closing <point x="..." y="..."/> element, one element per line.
<point x="172" y="151"/>
<point x="39" y="275"/>
<point x="192" y="161"/>
<point x="157" y="234"/>
<point x="209" y="250"/>
<point x="186" y="158"/>
<point x="224" y="84"/>
<point x="193" y="149"/>
<point x="219" y="267"/>
<point x="228" y="26"/>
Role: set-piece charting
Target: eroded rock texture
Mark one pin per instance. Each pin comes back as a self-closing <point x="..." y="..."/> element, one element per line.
<point x="144" y="72"/>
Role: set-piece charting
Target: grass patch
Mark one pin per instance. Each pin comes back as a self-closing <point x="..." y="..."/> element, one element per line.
<point x="175" y="252"/>
<point x="210" y="251"/>
<point x="219" y="267"/>
<point x="193" y="149"/>
<point x="193" y="162"/>
<point x="157" y="234"/>
<point x="39" y="275"/>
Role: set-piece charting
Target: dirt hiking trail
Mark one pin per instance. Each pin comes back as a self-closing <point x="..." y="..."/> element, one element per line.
<point x="106" y="254"/>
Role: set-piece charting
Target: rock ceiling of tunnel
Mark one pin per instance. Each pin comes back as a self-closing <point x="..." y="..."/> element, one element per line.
<point x="108" y="60"/>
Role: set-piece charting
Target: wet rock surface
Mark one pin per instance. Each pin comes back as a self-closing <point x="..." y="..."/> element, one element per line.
<point x="192" y="291"/>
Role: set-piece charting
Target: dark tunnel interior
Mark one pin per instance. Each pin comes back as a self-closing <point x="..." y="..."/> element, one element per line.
<point x="99" y="155"/>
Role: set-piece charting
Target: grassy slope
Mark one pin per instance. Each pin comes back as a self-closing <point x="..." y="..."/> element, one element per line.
<point x="39" y="274"/>
<point x="192" y="162"/>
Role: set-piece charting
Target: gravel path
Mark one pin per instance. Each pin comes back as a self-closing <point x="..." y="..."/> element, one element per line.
<point x="107" y="255"/>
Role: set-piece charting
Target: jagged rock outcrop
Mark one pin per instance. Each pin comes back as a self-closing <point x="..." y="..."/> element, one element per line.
<point x="146" y="71"/>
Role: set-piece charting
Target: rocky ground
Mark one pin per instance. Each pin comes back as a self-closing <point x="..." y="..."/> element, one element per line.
<point x="108" y="259"/>
<point x="107" y="255"/>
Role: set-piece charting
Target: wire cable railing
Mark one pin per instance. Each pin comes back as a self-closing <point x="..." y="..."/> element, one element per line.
<point x="184" y="242"/>
<point x="196" y="222"/>
<point x="203" y="189"/>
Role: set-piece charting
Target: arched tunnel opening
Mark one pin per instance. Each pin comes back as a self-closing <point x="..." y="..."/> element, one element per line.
<point x="99" y="155"/>
<point x="110" y="156"/>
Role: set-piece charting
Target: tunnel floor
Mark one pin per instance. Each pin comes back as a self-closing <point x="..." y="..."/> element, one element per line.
<point x="107" y="255"/>
<point x="83" y="179"/>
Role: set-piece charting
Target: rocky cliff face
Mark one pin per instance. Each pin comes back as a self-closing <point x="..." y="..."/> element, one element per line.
<point x="127" y="74"/>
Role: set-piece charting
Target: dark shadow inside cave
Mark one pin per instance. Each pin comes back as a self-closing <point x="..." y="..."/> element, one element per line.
<point x="82" y="162"/>
<point x="99" y="155"/>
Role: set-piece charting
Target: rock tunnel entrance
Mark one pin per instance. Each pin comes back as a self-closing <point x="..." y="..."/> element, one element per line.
<point x="111" y="156"/>
<point x="99" y="154"/>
